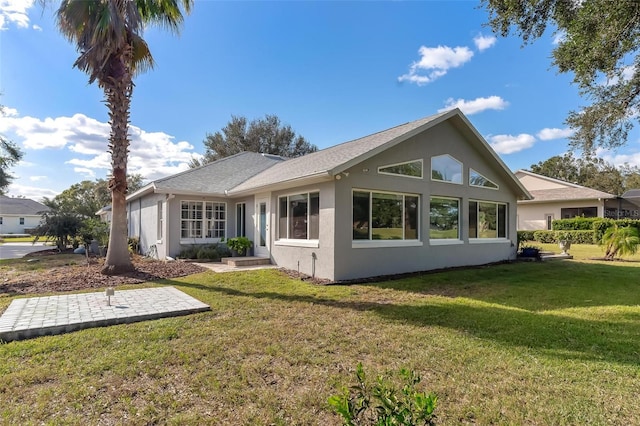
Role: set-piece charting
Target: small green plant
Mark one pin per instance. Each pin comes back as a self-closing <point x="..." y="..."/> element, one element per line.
<point x="382" y="404"/>
<point x="239" y="244"/>
<point x="620" y="241"/>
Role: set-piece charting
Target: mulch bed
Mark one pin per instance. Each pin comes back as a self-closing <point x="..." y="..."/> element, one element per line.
<point x="80" y="277"/>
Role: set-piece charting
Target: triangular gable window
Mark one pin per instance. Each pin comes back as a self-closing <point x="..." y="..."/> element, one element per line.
<point x="411" y="169"/>
<point x="476" y="179"/>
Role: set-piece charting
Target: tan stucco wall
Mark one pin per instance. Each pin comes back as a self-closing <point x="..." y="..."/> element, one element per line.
<point x="531" y="216"/>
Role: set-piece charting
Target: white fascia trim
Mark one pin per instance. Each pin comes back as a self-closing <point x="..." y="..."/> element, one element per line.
<point x="297" y="243"/>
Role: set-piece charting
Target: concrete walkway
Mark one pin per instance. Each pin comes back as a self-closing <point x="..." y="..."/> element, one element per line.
<point x="40" y="316"/>
<point x="18" y="250"/>
<point x="222" y="267"/>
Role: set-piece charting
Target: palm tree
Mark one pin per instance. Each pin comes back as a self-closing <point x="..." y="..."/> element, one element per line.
<point x="620" y="241"/>
<point x="108" y="36"/>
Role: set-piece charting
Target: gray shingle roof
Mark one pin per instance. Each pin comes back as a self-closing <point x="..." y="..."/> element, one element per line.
<point x="335" y="158"/>
<point x="219" y="176"/>
<point x="20" y="206"/>
<point x="562" y="194"/>
<point x="632" y="193"/>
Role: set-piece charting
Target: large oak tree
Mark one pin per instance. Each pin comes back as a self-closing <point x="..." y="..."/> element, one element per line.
<point x="267" y="136"/>
<point x="599" y="43"/>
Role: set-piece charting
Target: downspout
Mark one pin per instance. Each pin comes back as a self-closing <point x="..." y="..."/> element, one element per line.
<point x="165" y="231"/>
<point x="139" y="217"/>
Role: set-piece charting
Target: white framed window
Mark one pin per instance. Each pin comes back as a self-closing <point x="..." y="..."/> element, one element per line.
<point x="241" y="216"/>
<point x="478" y="180"/>
<point x="445" y="168"/>
<point x="299" y="216"/>
<point x="385" y="215"/>
<point x="487" y="220"/>
<point x="411" y="169"/>
<point x="203" y="219"/>
<point x="160" y="221"/>
<point x="444" y="218"/>
<point x="22" y="221"/>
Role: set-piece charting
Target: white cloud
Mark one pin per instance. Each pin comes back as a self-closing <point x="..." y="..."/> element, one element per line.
<point x="435" y="62"/>
<point x="37" y="178"/>
<point x="559" y="37"/>
<point x="475" y="106"/>
<point x="32" y="192"/>
<point x="14" y="12"/>
<point x="508" y="144"/>
<point x="626" y="73"/>
<point x="484" y="42"/>
<point x="632" y="159"/>
<point x="8" y="112"/>
<point x="548" y="134"/>
<point x="151" y="154"/>
<point x="37" y="27"/>
<point x="88" y="173"/>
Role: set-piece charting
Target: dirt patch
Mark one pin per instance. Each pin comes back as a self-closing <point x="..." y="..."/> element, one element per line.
<point x="80" y="277"/>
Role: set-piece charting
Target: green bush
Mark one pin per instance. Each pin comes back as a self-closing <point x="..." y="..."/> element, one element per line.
<point x="134" y="244"/>
<point x="382" y="404"/>
<point x="208" y="252"/>
<point x="524" y="236"/>
<point x="574" y="224"/>
<point x="188" y="252"/>
<point x="223" y="251"/>
<point x="544" y="237"/>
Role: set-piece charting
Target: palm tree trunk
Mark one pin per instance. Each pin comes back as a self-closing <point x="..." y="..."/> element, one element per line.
<point x="118" y="99"/>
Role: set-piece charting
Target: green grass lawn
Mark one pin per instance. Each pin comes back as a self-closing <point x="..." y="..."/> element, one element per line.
<point x="542" y="343"/>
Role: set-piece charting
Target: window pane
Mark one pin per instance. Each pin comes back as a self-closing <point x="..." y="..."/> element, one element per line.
<point x="446" y="168"/>
<point x="386" y="216"/>
<point x="443" y="218"/>
<point x="314" y="216"/>
<point x="298" y="206"/>
<point x="240" y="220"/>
<point x="282" y="217"/>
<point x="476" y="179"/>
<point x="473" y="219"/>
<point x="502" y="221"/>
<point x="360" y="215"/>
<point x="487" y="220"/>
<point x="410" y="218"/>
<point x="413" y="168"/>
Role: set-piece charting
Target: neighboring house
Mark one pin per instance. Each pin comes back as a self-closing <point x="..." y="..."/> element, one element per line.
<point x="557" y="199"/>
<point x="104" y="214"/>
<point x="19" y="215"/>
<point x="424" y="195"/>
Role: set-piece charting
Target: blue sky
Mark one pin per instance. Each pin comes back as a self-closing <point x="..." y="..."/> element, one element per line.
<point x="333" y="70"/>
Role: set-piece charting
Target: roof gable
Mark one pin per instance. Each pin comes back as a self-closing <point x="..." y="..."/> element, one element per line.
<point x="21" y="206"/>
<point x="333" y="160"/>
<point x="214" y="178"/>
<point x="544" y="188"/>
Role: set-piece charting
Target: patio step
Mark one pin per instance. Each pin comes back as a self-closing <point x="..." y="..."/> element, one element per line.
<point x="246" y="261"/>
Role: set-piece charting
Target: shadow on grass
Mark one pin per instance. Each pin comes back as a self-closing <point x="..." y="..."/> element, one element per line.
<point x="538" y="286"/>
<point x="554" y="335"/>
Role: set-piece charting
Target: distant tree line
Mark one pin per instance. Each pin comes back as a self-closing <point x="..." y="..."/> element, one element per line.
<point x="591" y="172"/>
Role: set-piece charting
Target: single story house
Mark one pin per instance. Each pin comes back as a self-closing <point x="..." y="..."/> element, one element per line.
<point x="557" y="199"/>
<point x="423" y="195"/>
<point x="19" y="215"/>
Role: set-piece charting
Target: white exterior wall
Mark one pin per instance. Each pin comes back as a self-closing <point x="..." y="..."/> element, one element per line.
<point x="532" y="216"/>
<point x="315" y="260"/>
<point x="142" y="215"/>
<point x="11" y="223"/>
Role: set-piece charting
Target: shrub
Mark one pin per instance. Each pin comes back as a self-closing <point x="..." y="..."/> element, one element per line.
<point x="524" y="236"/>
<point x="208" y="252"/>
<point x="620" y="240"/>
<point x="223" y="251"/>
<point x="383" y="404"/>
<point x="574" y="224"/>
<point x="134" y="244"/>
<point x="544" y="237"/>
<point x="188" y="252"/>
